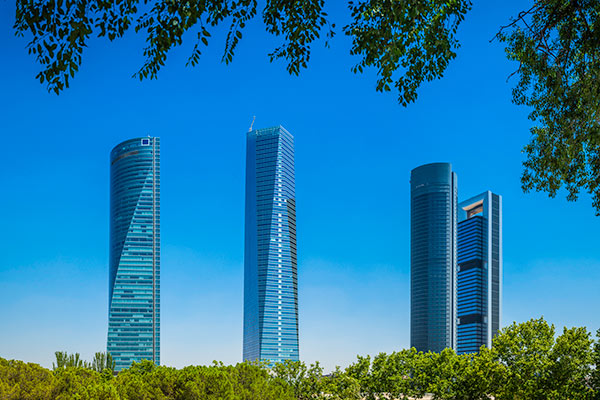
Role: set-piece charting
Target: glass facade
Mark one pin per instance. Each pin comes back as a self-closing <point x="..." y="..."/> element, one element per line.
<point x="270" y="260"/>
<point x="479" y="271"/>
<point x="134" y="259"/>
<point x="433" y="257"/>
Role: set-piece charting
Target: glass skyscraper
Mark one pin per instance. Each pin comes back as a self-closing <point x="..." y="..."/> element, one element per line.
<point x="433" y="257"/>
<point x="270" y="261"/>
<point x="479" y="271"/>
<point x="134" y="256"/>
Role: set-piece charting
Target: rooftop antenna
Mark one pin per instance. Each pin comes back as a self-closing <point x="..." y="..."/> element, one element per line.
<point x="252" y="124"/>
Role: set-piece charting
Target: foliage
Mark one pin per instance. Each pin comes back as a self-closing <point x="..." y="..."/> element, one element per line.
<point x="526" y="361"/>
<point x="409" y="375"/>
<point x="571" y="365"/>
<point x="103" y="361"/>
<point x="60" y="30"/>
<point x="340" y="386"/>
<point x="305" y="382"/>
<point x="19" y="380"/>
<point x="595" y="378"/>
<point x="416" y="37"/>
<point x="100" y="362"/>
<point x="557" y="45"/>
<point x="81" y="384"/>
<point x="536" y="365"/>
<point x="387" y="374"/>
<point x="408" y="42"/>
<point x="64" y="360"/>
<point x="477" y="376"/>
<point x="524" y="350"/>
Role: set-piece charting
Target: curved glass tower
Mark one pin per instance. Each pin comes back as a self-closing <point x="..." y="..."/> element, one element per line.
<point x="433" y="257"/>
<point x="270" y="263"/>
<point x="134" y="259"/>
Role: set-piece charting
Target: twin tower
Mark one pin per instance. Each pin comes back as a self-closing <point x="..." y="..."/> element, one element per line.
<point x="456" y="263"/>
<point x="270" y="259"/>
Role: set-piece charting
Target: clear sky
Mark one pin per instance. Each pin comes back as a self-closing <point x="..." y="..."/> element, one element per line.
<point x="354" y="152"/>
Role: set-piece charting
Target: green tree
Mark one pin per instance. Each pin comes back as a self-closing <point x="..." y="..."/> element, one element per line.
<point x="65" y="360"/>
<point x="571" y="368"/>
<point x="360" y="371"/>
<point x="392" y="375"/>
<point x="446" y="376"/>
<point x="533" y="364"/>
<point x="595" y="376"/>
<point x="24" y="381"/>
<point x="408" y="375"/>
<point x="340" y="386"/>
<point x="61" y="360"/>
<point x="524" y="350"/>
<point x="476" y="375"/>
<point x="443" y="371"/>
<point x="526" y="361"/>
<point x="557" y="46"/>
<point x="201" y="382"/>
<point x="139" y="382"/>
<point x="78" y="383"/>
<point x="407" y="42"/>
<point x="103" y="361"/>
<point x="256" y="382"/>
<point x="305" y="382"/>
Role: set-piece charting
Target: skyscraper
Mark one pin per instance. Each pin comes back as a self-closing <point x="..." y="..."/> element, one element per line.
<point x="433" y="257"/>
<point x="479" y="271"/>
<point x="134" y="270"/>
<point x="270" y="262"/>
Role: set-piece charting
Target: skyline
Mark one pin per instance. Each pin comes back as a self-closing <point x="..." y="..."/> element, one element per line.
<point x="53" y="254"/>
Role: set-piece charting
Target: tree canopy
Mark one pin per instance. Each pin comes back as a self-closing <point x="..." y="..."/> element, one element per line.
<point x="526" y="361"/>
<point x="407" y="42"/>
<point x="555" y="42"/>
<point x="557" y="46"/>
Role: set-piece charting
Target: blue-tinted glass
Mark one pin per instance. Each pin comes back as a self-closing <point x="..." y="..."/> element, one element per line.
<point x="134" y="270"/>
<point x="479" y="243"/>
<point x="433" y="257"/>
<point x="270" y="276"/>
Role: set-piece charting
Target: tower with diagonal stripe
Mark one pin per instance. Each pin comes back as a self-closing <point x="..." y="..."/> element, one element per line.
<point x="134" y="259"/>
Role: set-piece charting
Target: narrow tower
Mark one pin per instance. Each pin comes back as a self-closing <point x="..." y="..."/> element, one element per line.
<point x="134" y="259"/>
<point x="479" y="271"/>
<point x="433" y="201"/>
<point x="270" y="262"/>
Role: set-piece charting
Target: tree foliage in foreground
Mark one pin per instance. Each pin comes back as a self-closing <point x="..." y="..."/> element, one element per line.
<point x="527" y="361"/>
<point x="555" y="42"/>
<point x="407" y="42"/>
<point x="557" y="46"/>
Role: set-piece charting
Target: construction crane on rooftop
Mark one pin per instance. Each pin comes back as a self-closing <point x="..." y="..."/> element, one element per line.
<point x="252" y="124"/>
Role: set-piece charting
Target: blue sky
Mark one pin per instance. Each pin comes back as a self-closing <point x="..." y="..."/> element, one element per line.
<point x="354" y="152"/>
